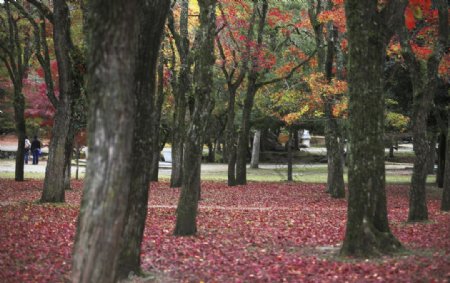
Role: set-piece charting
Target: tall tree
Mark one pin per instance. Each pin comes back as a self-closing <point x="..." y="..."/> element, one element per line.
<point x="369" y="31"/>
<point x="69" y="61"/>
<point x="261" y="62"/>
<point x="112" y="41"/>
<point x="333" y="131"/>
<point x="423" y="70"/>
<point x="445" y="203"/>
<point x="157" y="114"/>
<point x="234" y="76"/>
<point x="152" y="18"/>
<point x="334" y="140"/>
<point x="204" y="59"/>
<point x="252" y="88"/>
<point x="15" y="54"/>
<point x="182" y="85"/>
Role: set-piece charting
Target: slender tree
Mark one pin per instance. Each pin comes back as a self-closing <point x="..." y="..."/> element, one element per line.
<point x="252" y="89"/>
<point x="151" y="20"/>
<point x="15" y="54"/>
<point x="113" y="35"/>
<point x="157" y="114"/>
<point x="369" y="31"/>
<point x="182" y="85"/>
<point x="203" y="77"/>
<point x="69" y="60"/>
<point x="333" y="137"/>
<point x="424" y="78"/>
<point x="234" y="77"/>
<point x="326" y="44"/>
<point x="445" y="203"/>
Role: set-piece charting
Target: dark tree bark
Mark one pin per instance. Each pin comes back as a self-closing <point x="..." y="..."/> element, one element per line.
<point x="69" y="85"/>
<point x="160" y="96"/>
<point x="232" y="87"/>
<point x="445" y="202"/>
<point x="289" y="149"/>
<point x="112" y="41"/>
<point x="442" y="149"/>
<point x="252" y="88"/>
<point x="256" y="149"/>
<point x="367" y="231"/>
<point x="152" y="18"/>
<point x="333" y="132"/>
<point x="70" y="62"/>
<point x="425" y="82"/>
<point x="15" y="54"/>
<point x="203" y="104"/>
<point x="335" y="149"/>
<point x="315" y="7"/>
<point x="181" y="88"/>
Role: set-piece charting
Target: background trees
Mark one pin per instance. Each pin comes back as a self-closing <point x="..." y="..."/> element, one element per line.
<point x="286" y="55"/>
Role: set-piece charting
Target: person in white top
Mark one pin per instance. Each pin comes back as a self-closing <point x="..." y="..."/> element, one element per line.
<point x="27" y="149"/>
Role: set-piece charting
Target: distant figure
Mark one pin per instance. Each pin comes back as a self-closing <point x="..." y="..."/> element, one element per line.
<point x="27" y="149"/>
<point x="35" y="149"/>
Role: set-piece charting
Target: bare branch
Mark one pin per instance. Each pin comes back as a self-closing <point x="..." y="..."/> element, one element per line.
<point x="289" y="75"/>
<point x="44" y="10"/>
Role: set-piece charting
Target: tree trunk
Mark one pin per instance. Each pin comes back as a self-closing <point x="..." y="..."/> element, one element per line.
<point x="151" y="27"/>
<point x="54" y="174"/>
<point x="296" y="141"/>
<point x="113" y="28"/>
<point x="157" y="120"/>
<point x="425" y="82"/>
<point x="67" y="174"/>
<point x="242" y="146"/>
<point x="55" y="171"/>
<point x="417" y="195"/>
<point x="68" y="158"/>
<point x="19" y="117"/>
<point x="231" y="138"/>
<point x="178" y="142"/>
<point x="181" y="90"/>
<point x="211" y="152"/>
<point x="203" y="74"/>
<point x="334" y="144"/>
<point x="333" y="136"/>
<point x="445" y="203"/>
<point x="289" y="150"/>
<point x="19" y="48"/>
<point x="78" y="163"/>
<point x="367" y="230"/>
<point x="441" y="160"/>
<point x="432" y="154"/>
<point x="255" y="150"/>
<point x="252" y="88"/>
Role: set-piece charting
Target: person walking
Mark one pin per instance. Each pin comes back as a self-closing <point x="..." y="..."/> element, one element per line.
<point x="35" y="150"/>
<point x="27" y="149"/>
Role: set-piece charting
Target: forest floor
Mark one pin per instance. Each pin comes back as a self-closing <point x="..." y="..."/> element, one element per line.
<point x="262" y="232"/>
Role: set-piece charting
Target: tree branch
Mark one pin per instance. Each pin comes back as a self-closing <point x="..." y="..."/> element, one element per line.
<point x="289" y="75"/>
<point x="44" y="10"/>
<point x="44" y="61"/>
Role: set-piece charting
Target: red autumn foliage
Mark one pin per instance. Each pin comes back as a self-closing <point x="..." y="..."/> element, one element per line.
<point x="35" y="90"/>
<point x="262" y="232"/>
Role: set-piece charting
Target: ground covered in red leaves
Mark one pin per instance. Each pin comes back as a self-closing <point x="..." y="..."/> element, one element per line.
<point x="256" y="233"/>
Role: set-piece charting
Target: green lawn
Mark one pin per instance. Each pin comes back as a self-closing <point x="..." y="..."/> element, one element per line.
<point x="307" y="173"/>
